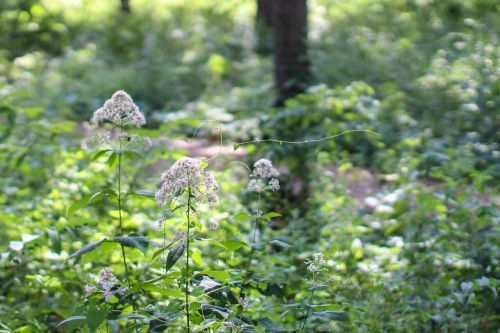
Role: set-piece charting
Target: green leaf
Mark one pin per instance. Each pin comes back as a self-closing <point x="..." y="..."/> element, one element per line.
<point x="139" y="285"/>
<point x="236" y="146"/>
<point x="162" y="249"/>
<point x="270" y="325"/>
<point x="133" y="316"/>
<point x="100" y="153"/>
<point x="241" y="217"/>
<point x="196" y="257"/>
<point x="87" y="248"/>
<point x="174" y="255"/>
<point x="112" y="159"/>
<point x="55" y="240"/>
<point x="268" y="216"/>
<point x="76" y="206"/>
<point x="72" y="323"/>
<point x="101" y="195"/>
<point x="213" y="309"/>
<point x="11" y="120"/>
<point x="96" y="316"/>
<point x="219" y="275"/>
<point x="231" y="245"/>
<point x="89" y="199"/>
<point x="144" y="193"/>
<point x="162" y="291"/>
<point x="279" y="243"/>
<point x="133" y="240"/>
<point x="269" y="289"/>
<point x="332" y="315"/>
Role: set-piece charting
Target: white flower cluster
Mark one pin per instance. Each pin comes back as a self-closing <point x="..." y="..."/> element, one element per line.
<point x="317" y="264"/>
<point x="108" y="285"/>
<point x="263" y="170"/>
<point x="184" y="174"/>
<point x="120" y="110"/>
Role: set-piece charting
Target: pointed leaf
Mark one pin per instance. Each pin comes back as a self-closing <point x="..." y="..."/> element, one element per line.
<point x="87" y="248"/>
<point x="242" y="217"/>
<point x="96" y="316"/>
<point x="279" y="243"/>
<point x="270" y="325"/>
<point x="162" y="249"/>
<point x="231" y="245"/>
<point x="55" y="240"/>
<point x="174" y="255"/>
<point x="101" y="195"/>
<point x="133" y="240"/>
<point x="269" y="215"/>
<point x="112" y="159"/>
<point x="73" y="322"/>
<point x="332" y="315"/>
<point x="82" y="203"/>
<point x="100" y="153"/>
<point x="144" y="193"/>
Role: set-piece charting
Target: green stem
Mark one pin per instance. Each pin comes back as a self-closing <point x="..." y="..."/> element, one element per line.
<point x="120" y="204"/>
<point x="256" y="220"/>
<point x="188" y="212"/>
<point x="308" y="306"/>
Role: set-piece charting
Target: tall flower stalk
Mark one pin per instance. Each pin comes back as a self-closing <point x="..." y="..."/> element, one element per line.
<point x="186" y="291"/>
<point x="184" y="184"/>
<point x="309" y="302"/>
<point x="315" y="267"/>
<point x="261" y="180"/>
<point x="120" y="204"/>
<point x="121" y="112"/>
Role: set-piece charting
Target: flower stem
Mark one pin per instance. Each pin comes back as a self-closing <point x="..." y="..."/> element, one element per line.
<point x="256" y="220"/>
<point x="309" y="305"/>
<point x="120" y="204"/>
<point x="188" y="212"/>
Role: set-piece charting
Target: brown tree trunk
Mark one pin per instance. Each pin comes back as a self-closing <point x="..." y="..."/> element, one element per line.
<point x="125" y="6"/>
<point x="263" y="27"/>
<point x="291" y="64"/>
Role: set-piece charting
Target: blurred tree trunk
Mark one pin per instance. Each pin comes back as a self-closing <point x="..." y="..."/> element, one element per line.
<point x="263" y="27"/>
<point x="125" y="6"/>
<point x="291" y="64"/>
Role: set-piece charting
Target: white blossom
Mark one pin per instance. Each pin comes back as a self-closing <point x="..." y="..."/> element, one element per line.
<point x="88" y="289"/>
<point x="121" y="110"/>
<point x="317" y="264"/>
<point x="264" y="169"/>
<point x="106" y="275"/>
<point x="256" y="185"/>
<point x="274" y="184"/>
<point x="187" y="174"/>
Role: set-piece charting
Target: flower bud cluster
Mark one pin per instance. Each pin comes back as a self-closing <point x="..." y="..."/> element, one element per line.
<point x="263" y="170"/>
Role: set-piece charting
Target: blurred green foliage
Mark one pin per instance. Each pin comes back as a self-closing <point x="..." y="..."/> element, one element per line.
<point x="410" y="215"/>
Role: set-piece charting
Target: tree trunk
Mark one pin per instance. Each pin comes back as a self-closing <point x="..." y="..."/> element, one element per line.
<point x="125" y="6"/>
<point x="291" y="64"/>
<point x="263" y="27"/>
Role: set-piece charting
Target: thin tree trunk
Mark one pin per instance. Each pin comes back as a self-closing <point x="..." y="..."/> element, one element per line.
<point x="263" y="27"/>
<point x="291" y="64"/>
<point x="125" y="6"/>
